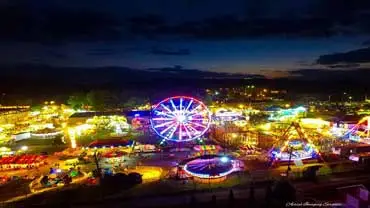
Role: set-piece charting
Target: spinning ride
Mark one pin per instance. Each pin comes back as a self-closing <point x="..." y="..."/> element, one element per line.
<point x="287" y="114"/>
<point x="294" y="149"/>
<point x="180" y="119"/>
<point x="223" y="114"/>
<point x="211" y="167"/>
<point x="359" y="132"/>
<point x="299" y="150"/>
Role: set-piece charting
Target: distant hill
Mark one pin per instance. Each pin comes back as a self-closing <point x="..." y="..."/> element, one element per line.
<point x="42" y="79"/>
<point x="46" y="78"/>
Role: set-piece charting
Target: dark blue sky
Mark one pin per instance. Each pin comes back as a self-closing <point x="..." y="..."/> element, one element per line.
<point x="256" y="36"/>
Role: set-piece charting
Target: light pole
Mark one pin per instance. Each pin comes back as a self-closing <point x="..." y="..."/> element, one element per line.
<point x="289" y="161"/>
<point x="343" y="96"/>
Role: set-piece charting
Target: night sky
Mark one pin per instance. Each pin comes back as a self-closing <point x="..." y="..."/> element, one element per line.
<point x="266" y="37"/>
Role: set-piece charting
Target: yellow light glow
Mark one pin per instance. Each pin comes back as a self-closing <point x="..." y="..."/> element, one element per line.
<point x="266" y="126"/>
<point x="72" y="137"/>
<point x="5" y="149"/>
<point x="149" y="173"/>
<point x="241" y="123"/>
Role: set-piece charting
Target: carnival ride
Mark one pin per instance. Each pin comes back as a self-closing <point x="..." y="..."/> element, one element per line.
<point x="294" y="148"/>
<point x="314" y="123"/>
<point x="200" y="150"/>
<point x="211" y="167"/>
<point x="287" y="114"/>
<point x="205" y="148"/>
<point x="223" y="114"/>
<point x="56" y="178"/>
<point x="180" y="119"/>
<point x="360" y="132"/>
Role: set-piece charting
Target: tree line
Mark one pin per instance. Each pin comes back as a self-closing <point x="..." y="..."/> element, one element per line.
<point x="103" y="99"/>
<point x="106" y="100"/>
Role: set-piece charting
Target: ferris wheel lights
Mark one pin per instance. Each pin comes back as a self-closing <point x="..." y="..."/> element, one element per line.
<point x="180" y="118"/>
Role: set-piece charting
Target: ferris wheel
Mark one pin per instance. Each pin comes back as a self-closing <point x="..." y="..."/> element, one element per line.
<point x="180" y="119"/>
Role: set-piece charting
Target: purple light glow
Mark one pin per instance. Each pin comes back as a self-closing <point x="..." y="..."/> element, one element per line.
<point x="216" y="167"/>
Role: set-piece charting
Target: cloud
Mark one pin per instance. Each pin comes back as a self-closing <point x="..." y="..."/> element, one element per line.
<point x="366" y="43"/>
<point x="332" y="75"/>
<point x="316" y="18"/>
<point x="305" y="63"/>
<point x="230" y="27"/>
<point x="344" y="66"/>
<point x="101" y="52"/>
<point x="57" y="55"/>
<point x="147" y="20"/>
<point x="179" y="52"/>
<point x="51" y="25"/>
<point x="351" y="57"/>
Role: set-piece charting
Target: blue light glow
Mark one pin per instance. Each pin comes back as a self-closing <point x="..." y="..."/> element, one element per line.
<point x="210" y="167"/>
<point x="287" y="114"/>
<point x="224" y="159"/>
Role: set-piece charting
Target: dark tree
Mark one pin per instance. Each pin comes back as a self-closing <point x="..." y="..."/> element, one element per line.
<point x="77" y="100"/>
<point x="133" y="102"/>
<point x="36" y="107"/>
<point x="96" y="100"/>
<point x="193" y="200"/>
<point x="214" y="200"/>
<point x="268" y="194"/>
<point x="231" y="198"/>
<point x="284" y="192"/>
<point x="135" y="178"/>
<point x="208" y="99"/>
<point x="251" y="194"/>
